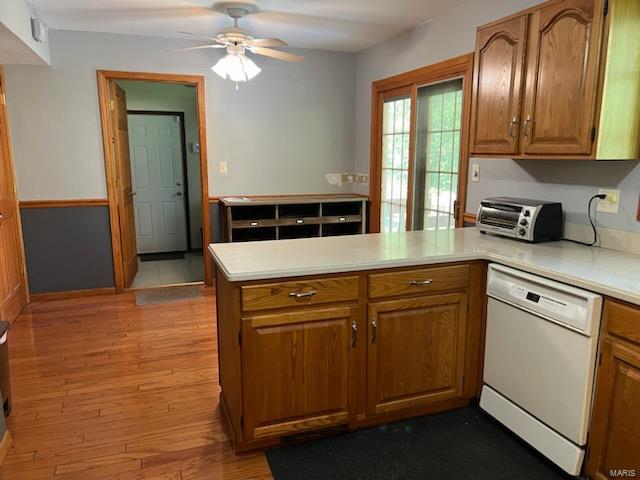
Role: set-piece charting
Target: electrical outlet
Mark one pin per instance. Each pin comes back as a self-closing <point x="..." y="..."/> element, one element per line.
<point x="347" y="178"/>
<point x="475" y="172"/>
<point x="223" y="167"/>
<point x="611" y="203"/>
<point x="362" y="178"/>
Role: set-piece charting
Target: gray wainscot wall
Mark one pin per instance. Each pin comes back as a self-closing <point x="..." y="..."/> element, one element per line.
<point x="69" y="248"/>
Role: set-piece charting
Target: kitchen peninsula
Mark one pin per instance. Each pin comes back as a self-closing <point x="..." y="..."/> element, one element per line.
<point x="319" y="335"/>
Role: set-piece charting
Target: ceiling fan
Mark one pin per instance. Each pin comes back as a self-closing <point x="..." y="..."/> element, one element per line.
<point x="235" y="65"/>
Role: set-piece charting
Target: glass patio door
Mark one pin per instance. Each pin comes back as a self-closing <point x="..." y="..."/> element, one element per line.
<point x="396" y="137"/>
<point x="437" y="157"/>
<point x="420" y="158"/>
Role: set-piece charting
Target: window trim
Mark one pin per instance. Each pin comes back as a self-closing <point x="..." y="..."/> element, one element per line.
<point x="381" y="90"/>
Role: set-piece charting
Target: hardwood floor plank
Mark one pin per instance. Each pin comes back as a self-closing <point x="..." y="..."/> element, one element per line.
<point x="125" y="392"/>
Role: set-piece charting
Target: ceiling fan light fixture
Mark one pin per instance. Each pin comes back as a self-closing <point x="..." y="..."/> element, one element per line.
<point x="236" y="67"/>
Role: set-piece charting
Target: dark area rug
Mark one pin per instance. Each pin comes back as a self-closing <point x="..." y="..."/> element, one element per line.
<point x="154" y="257"/>
<point x="167" y="294"/>
<point x="461" y="444"/>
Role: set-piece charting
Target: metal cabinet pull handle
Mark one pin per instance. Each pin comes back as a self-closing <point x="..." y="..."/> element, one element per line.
<point x="253" y="224"/>
<point x="342" y="219"/>
<point x="310" y="293"/>
<point x="300" y="220"/>
<point x="354" y="333"/>
<point x="374" y="330"/>
<point x="527" y="122"/>
<point x="420" y="283"/>
<point x="512" y="126"/>
<point x="1" y="216"/>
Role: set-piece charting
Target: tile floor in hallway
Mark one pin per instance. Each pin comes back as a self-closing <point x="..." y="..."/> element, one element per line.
<point x="168" y="272"/>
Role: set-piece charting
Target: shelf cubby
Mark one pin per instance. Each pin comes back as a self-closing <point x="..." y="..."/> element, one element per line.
<point x="299" y="231"/>
<point x="288" y="217"/>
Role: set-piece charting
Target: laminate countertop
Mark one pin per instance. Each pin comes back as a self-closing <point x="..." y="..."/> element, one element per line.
<point x="600" y="270"/>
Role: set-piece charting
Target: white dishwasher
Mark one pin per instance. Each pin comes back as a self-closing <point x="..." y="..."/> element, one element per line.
<point x="539" y="363"/>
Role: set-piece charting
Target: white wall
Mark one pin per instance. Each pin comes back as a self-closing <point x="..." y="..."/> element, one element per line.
<point x="165" y="97"/>
<point x="453" y="34"/>
<point x="15" y="16"/>
<point x="280" y="133"/>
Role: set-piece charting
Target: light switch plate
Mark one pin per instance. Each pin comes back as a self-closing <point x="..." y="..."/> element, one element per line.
<point x="611" y="204"/>
<point x="223" y="167"/>
<point x="475" y="172"/>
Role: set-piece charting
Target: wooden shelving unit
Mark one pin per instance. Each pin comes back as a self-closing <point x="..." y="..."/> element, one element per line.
<point x="285" y="217"/>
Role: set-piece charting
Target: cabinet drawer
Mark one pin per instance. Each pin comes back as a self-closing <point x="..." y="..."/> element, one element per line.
<point x="303" y="292"/>
<point x="623" y="320"/>
<point x="254" y="223"/>
<point x="435" y="279"/>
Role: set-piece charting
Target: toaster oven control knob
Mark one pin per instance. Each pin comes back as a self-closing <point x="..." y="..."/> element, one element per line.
<point x="526" y="213"/>
<point x="522" y="232"/>
<point x="524" y="222"/>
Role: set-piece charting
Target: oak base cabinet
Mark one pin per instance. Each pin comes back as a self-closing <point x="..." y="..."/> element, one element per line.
<point x="297" y="371"/>
<point x="416" y="351"/>
<point x="307" y="356"/>
<point x="614" y="446"/>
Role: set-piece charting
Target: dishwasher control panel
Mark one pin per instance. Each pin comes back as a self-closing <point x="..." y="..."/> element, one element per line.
<point x="551" y="305"/>
<point x="563" y="304"/>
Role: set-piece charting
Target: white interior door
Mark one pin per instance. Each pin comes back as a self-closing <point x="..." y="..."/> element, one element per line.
<point x="158" y="183"/>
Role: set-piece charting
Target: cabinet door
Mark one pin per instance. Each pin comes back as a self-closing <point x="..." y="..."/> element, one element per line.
<point x="615" y="425"/>
<point x="497" y="87"/>
<point x="562" y="74"/>
<point x="415" y="352"/>
<point x="297" y="370"/>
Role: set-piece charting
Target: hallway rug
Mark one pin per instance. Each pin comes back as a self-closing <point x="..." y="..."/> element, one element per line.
<point x="167" y="294"/>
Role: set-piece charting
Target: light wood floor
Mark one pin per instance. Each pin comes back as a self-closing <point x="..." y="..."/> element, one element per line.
<point x="103" y="389"/>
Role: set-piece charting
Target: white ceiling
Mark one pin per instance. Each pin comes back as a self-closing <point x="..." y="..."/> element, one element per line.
<point x="341" y="25"/>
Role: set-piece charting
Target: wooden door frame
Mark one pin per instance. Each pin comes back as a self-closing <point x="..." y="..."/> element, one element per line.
<point x="458" y="67"/>
<point x="8" y="148"/>
<point x="105" y="77"/>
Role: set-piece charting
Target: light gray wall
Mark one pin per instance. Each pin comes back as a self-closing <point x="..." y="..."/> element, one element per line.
<point x="280" y="133"/>
<point x="453" y="34"/>
<point x="168" y="97"/>
<point x="566" y="181"/>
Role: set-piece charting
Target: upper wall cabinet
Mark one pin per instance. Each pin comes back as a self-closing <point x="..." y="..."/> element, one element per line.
<point x="562" y="73"/>
<point x="561" y="80"/>
<point x="497" y="92"/>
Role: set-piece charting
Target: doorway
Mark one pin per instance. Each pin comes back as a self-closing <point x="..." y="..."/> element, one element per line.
<point x="155" y="151"/>
<point x="419" y="151"/>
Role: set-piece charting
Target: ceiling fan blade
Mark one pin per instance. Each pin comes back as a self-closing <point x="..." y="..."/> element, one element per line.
<point x="267" y="42"/>
<point x="195" y="35"/>
<point x="197" y="48"/>
<point x="267" y="52"/>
